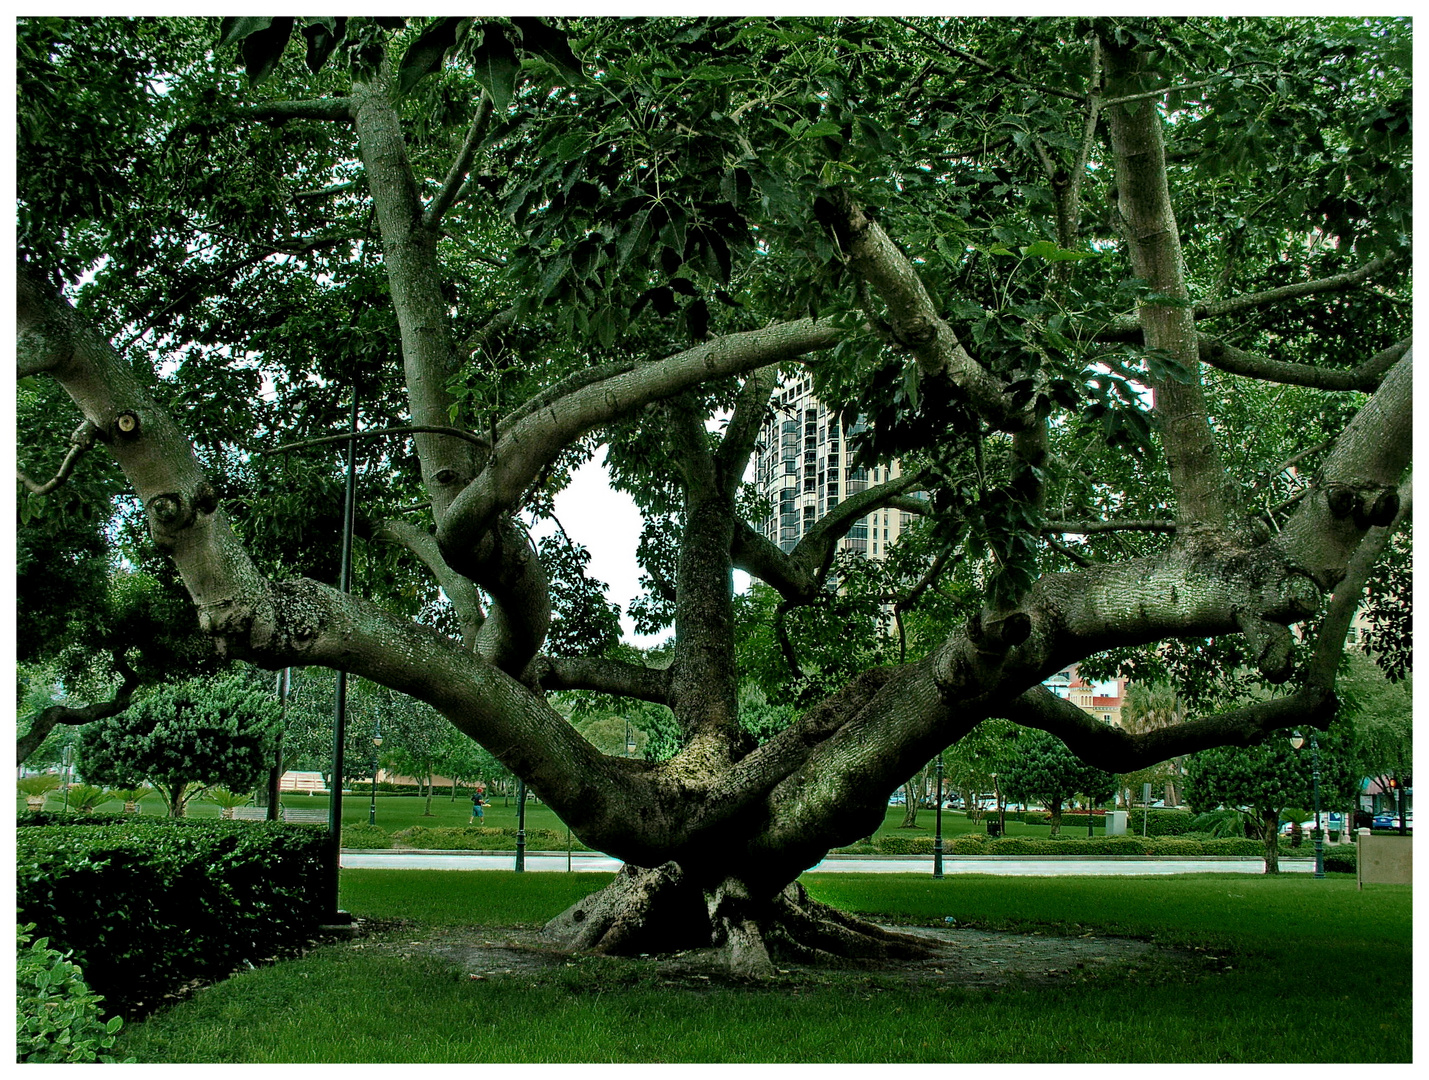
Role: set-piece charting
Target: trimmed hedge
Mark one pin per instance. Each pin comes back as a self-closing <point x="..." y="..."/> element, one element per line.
<point x="146" y="904"/>
<point x="481" y="838"/>
<point x="1167" y="846"/>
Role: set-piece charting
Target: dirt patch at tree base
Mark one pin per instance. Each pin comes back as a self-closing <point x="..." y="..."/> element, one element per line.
<point x="959" y="957"/>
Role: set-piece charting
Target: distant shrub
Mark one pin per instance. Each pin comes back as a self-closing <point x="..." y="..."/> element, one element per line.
<point x="480" y="838"/>
<point x="368" y="837"/>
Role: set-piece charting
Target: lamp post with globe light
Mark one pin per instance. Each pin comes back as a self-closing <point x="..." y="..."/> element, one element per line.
<point x="376" y="746"/>
<point x="1297" y="740"/>
<point x="938" y="824"/>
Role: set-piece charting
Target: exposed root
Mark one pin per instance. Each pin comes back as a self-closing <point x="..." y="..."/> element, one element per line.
<point x="655" y="911"/>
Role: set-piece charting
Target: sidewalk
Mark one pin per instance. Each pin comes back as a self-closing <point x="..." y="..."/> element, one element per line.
<point x="1009" y="865"/>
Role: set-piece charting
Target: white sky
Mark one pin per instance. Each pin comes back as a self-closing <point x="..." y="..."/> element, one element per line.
<point x="608" y="523"/>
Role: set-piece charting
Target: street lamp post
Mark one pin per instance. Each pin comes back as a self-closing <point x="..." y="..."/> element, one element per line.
<point x="520" y="825"/>
<point x="938" y="825"/>
<point x="1297" y="740"/>
<point x="376" y="746"/>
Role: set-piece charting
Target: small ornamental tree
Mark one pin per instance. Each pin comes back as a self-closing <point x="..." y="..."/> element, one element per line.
<point x="1263" y="780"/>
<point x="185" y="737"/>
<point x="1041" y="768"/>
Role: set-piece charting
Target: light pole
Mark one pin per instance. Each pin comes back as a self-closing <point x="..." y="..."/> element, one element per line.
<point x="1297" y="740"/>
<point x="520" y="825"/>
<point x="938" y="825"/>
<point x="997" y="803"/>
<point x="629" y="740"/>
<point x="376" y="746"/>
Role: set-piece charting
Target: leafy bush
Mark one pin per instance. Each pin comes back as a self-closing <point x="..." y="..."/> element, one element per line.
<point x="1341" y="859"/>
<point x="365" y="836"/>
<point x="480" y="838"/>
<point x="57" y="1017"/>
<point x="38" y="785"/>
<point x="147" y="903"/>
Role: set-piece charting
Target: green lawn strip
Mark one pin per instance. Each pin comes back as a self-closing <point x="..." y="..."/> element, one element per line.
<point x="1289" y="948"/>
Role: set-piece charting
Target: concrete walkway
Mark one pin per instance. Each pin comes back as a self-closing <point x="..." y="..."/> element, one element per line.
<point x="1046" y="865"/>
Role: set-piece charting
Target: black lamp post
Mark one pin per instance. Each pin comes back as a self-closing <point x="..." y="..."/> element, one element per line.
<point x="339" y="724"/>
<point x="938" y="825"/>
<point x="520" y="825"/>
<point x="376" y="745"/>
<point x="1297" y="740"/>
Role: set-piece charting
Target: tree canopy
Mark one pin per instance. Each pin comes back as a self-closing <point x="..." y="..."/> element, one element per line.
<point x="1128" y="298"/>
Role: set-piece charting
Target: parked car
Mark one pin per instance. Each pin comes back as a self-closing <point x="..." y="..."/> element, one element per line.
<point x="1391" y="821"/>
<point x="1331" y="822"/>
<point x="896" y="799"/>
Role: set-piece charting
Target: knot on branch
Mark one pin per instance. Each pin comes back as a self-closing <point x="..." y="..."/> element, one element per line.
<point x="996" y="636"/>
<point x="914" y="332"/>
<point x="1366" y="504"/>
<point x="127" y="426"/>
<point x="1270" y="646"/>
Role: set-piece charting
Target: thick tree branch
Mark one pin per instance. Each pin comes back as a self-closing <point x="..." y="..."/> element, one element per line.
<point x="1108" y="747"/>
<point x="1366" y="377"/>
<point x="46" y="720"/>
<point x="1128" y="329"/>
<point x="602" y="676"/>
<point x="332" y="189"/>
<point x="339" y="110"/>
<point x="528" y="444"/>
<point x="945" y="366"/>
<point x="456" y="175"/>
<point x="1086" y="528"/>
<point x="1193" y="459"/>
<point x="460" y="592"/>
<point x="743" y="429"/>
<point x="79" y="442"/>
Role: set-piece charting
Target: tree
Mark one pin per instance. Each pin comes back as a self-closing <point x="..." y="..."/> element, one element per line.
<point x="1381" y="713"/>
<point x="1263" y="780"/>
<point x="1147" y="707"/>
<point x="183" y="737"/>
<point x="1041" y="768"/>
<point x="1048" y="274"/>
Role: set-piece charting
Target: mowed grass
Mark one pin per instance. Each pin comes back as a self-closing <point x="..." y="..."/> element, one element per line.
<point x="1287" y="950"/>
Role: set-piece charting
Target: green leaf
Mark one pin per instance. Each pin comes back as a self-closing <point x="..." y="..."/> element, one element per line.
<point x="426" y="54"/>
<point x="550" y="45"/>
<point x="323" y="34"/>
<point x="262" y="50"/>
<point x="1045" y="249"/>
<point x="237" y="27"/>
<point x="494" y="63"/>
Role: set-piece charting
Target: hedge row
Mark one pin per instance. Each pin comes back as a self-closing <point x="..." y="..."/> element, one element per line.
<point x="145" y="904"/>
<point x="978" y="844"/>
<point x="480" y="838"/>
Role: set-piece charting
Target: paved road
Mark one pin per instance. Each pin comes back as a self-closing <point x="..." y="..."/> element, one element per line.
<point x="838" y="864"/>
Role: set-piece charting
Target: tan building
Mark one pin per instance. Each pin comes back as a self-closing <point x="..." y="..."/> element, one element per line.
<point x="801" y="466"/>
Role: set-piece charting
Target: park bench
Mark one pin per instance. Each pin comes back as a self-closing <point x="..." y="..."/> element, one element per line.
<point x="292" y="816"/>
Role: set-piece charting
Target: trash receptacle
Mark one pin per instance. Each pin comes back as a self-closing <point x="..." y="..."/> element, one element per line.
<point x="994" y="827"/>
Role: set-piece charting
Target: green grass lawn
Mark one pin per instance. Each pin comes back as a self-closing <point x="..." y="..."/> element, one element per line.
<point x="1292" y="950"/>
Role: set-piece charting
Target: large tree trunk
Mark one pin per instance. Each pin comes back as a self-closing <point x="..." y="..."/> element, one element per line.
<point x="664" y="909"/>
<point x="1269" y="833"/>
<point x="910" y="806"/>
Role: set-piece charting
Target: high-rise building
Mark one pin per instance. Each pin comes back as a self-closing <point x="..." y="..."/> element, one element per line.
<point x="802" y="467"/>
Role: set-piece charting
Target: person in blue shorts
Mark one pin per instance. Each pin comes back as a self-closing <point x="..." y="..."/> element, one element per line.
<point x="478" y="811"/>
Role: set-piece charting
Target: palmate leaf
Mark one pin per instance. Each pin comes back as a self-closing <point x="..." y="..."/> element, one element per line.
<point x="426" y="54"/>
<point x="264" y="48"/>
<point x="494" y="64"/>
<point x="235" y="28"/>
<point x="323" y="35"/>
<point x="550" y="45"/>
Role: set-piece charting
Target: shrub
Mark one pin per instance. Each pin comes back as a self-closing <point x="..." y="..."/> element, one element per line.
<point x="146" y="903"/>
<point x="480" y="838"/>
<point x="1341" y="859"/>
<point x="38" y="785"/>
<point x="365" y="836"/>
<point x="57" y="1015"/>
